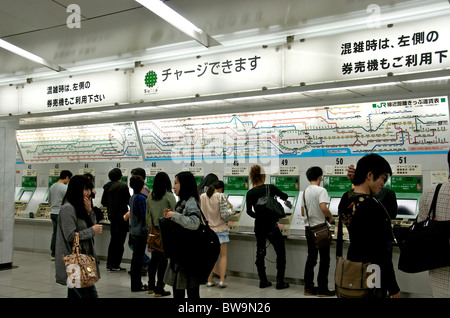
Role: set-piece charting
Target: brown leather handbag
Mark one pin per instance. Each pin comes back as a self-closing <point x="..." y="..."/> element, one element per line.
<point x="154" y="239"/>
<point x="81" y="269"/>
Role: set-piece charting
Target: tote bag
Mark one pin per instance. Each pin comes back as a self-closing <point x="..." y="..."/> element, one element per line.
<point x="194" y="250"/>
<point x="424" y="245"/>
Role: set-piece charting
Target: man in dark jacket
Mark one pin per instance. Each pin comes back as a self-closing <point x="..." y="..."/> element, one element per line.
<point x="368" y="222"/>
<point x="116" y="196"/>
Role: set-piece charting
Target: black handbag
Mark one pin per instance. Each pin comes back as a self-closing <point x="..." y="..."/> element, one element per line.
<point x="194" y="250"/>
<point x="424" y="245"/>
<point x="271" y="204"/>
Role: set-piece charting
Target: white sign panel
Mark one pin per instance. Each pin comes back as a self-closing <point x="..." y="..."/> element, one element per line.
<point x="216" y="74"/>
<point x="404" y="48"/>
<point x="9" y="100"/>
<point x="75" y="92"/>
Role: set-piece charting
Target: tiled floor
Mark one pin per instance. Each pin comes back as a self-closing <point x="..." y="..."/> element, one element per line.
<point x="33" y="276"/>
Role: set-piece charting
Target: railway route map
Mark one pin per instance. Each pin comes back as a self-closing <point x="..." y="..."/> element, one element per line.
<point x="413" y="126"/>
<point x="103" y="142"/>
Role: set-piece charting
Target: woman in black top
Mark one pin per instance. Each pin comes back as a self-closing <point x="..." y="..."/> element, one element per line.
<point x="266" y="227"/>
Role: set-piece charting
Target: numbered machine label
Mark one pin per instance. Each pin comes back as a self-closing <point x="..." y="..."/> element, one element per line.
<point x="336" y="170"/>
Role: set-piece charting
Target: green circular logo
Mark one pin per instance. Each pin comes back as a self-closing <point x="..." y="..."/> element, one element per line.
<point x="150" y="79"/>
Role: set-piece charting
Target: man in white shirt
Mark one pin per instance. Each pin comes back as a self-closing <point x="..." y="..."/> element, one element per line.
<point x="56" y="195"/>
<point x="316" y="200"/>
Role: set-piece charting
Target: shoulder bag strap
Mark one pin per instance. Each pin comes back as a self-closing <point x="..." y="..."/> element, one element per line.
<point x="304" y="204"/>
<point x="202" y="218"/>
<point x="433" y="203"/>
<point x="339" y="241"/>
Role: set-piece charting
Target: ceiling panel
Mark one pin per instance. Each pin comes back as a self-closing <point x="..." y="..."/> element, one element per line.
<point x="19" y="16"/>
<point x="114" y="29"/>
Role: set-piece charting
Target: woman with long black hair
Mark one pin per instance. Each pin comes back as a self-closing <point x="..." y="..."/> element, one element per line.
<point x="76" y="216"/>
<point x="161" y="198"/>
<point x="187" y="214"/>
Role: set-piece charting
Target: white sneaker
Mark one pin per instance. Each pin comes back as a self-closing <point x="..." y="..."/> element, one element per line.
<point x="209" y="284"/>
<point x="222" y="284"/>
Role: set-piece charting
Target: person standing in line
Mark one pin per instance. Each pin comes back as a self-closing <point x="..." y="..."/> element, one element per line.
<point x="317" y="199"/>
<point x="369" y="223"/>
<point x="138" y="231"/>
<point x="141" y="172"/>
<point x="439" y="277"/>
<point x="56" y="195"/>
<point x="145" y="191"/>
<point x="76" y="216"/>
<point x="210" y="205"/>
<point x="266" y="227"/>
<point x="161" y="198"/>
<point x="187" y="214"/>
<point x="115" y="198"/>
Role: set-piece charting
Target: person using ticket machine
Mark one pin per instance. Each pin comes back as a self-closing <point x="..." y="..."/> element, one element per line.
<point x="56" y="195"/>
<point x="266" y="228"/>
<point x="315" y="208"/>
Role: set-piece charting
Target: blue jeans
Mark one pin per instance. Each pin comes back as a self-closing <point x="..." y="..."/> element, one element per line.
<point x="88" y="292"/>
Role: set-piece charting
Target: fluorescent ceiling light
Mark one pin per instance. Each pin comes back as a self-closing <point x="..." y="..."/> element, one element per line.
<point x="30" y="56"/>
<point x="421" y="80"/>
<point x="178" y="21"/>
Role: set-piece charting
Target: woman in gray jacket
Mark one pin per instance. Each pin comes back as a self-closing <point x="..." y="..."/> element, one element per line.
<point x="76" y="216"/>
<point x="187" y="214"/>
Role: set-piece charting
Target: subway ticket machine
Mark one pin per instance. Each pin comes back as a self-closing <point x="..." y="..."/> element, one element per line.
<point x="44" y="208"/>
<point x="25" y="192"/>
<point x="407" y="183"/>
<point x="287" y="180"/>
<point x="235" y="180"/>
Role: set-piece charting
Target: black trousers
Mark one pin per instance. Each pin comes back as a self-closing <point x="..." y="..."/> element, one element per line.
<point x="139" y="244"/>
<point x="311" y="262"/>
<point x="157" y="267"/>
<point x="274" y="236"/>
<point x="116" y="246"/>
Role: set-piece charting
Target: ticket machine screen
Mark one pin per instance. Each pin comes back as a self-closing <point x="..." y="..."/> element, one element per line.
<point x="236" y="201"/>
<point x="334" y="205"/>
<point x="286" y="209"/>
<point x="406" y="208"/>
<point x="26" y="196"/>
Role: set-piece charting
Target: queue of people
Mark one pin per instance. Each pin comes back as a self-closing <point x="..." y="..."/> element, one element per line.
<point x="366" y="211"/>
